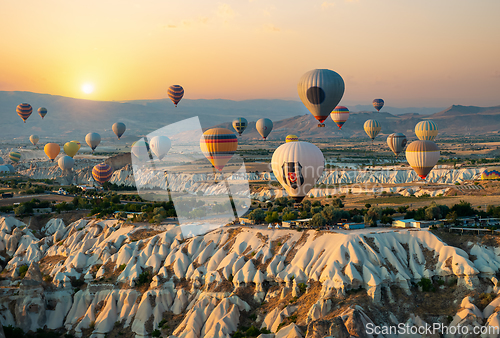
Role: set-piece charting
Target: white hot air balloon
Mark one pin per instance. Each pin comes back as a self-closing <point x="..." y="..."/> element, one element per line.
<point x="264" y="127"/>
<point x="34" y="139"/>
<point x="93" y="140"/>
<point x="297" y="166"/>
<point x="397" y="142"/>
<point x="66" y="163"/>
<point x="160" y="145"/>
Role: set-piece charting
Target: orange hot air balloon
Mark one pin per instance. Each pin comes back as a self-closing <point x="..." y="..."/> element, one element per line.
<point x="52" y="150"/>
<point x="218" y="145"/>
<point x="24" y="111"/>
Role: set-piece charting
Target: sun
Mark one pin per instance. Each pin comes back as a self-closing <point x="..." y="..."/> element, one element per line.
<point x="87" y="88"/>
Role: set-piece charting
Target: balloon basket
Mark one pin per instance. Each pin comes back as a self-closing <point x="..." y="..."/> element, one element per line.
<point x="321" y="125"/>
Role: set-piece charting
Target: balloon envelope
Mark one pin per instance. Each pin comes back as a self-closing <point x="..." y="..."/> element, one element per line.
<point x="66" y="163"/>
<point x="4" y="169"/>
<point x="491" y="173"/>
<point x="78" y="143"/>
<point x="42" y="112"/>
<point x="24" y="110"/>
<point x="11" y="168"/>
<point x="160" y="145"/>
<point x="119" y="128"/>
<point x="93" y="140"/>
<point x="378" y="104"/>
<point x="422" y="156"/>
<point x="397" y="142"/>
<point x="340" y="115"/>
<point x="34" y="139"/>
<point x="175" y="93"/>
<point x="291" y="138"/>
<point x="240" y="124"/>
<point x="15" y="156"/>
<point x="426" y="130"/>
<point x="71" y="148"/>
<point x="218" y="145"/>
<point x="372" y="128"/>
<point x="52" y="150"/>
<point x="264" y="127"/>
<point x="1" y="160"/>
<point x="102" y="172"/>
<point x="320" y="90"/>
<point x="297" y="166"/>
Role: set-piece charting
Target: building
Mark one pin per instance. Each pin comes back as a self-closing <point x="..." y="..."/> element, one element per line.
<point x="403" y="223"/>
<point x="85" y="187"/>
<point x="297" y="223"/>
<point x="352" y="226"/>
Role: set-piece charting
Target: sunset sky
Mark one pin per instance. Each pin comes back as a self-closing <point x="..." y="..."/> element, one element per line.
<point x="411" y="53"/>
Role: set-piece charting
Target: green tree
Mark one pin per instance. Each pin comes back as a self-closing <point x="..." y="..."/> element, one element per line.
<point x="318" y="221"/>
<point x="272" y="217"/>
<point x="257" y="215"/>
<point x="372" y="215"/>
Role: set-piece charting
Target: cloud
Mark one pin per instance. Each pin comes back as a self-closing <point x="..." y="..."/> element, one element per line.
<point x="225" y="11"/>
<point x="326" y="5"/>
<point x="271" y="27"/>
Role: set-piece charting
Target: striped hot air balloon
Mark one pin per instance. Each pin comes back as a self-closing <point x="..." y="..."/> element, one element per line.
<point x="426" y="130"/>
<point x="422" y="156"/>
<point x="339" y="115"/>
<point x="42" y="112"/>
<point x="378" y="104"/>
<point x="15" y="157"/>
<point x="240" y="124"/>
<point x="396" y="142"/>
<point x="292" y="138"/>
<point x="102" y="173"/>
<point x="372" y="128"/>
<point x="24" y="110"/>
<point x="491" y="173"/>
<point x="175" y="93"/>
<point x="218" y="145"/>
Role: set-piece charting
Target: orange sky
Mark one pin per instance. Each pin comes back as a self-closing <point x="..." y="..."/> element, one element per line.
<point x="411" y="53"/>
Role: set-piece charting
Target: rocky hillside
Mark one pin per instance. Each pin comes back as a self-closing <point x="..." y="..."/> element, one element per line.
<point x="107" y="278"/>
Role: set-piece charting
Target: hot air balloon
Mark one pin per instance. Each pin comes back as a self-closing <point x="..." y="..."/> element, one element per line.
<point x="42" y="112"/>
<point x="15" y="157"/>
<point x="4" y="169"/>
<point x="66" y="163"/>
<point x="218" y="145"/>
<point x="160" y="145"/>
<point x="488" y="173"/>
<point x="240" y="124"/>
<point x="102" y="173"/>
<point x="175" y="93"/>
<point x="396" y="142"/>
<point x="1" y="160"/>
<point x="422" y="156"/>
<point x="297" y="166"/>
<point x="264" y="127"/>
<point x="11" y="168"/>
<point x="34" y="139"/>
<point x="320" y="91"/>
<point x="339" y="115"/>
<point x="78" y="143"/>
<point x="24" y="110"/>
<point x="291" y="138"/>
<point x="119" y="129"/>
<point x="93" y="140"/>
<point x="71" y="148"/>
<point x="52" y="150"/>
<point x="378" y="104"/>
<point x="426" y="130"/>
<point x="140" y="149"/>
<point x="372" y="128"/>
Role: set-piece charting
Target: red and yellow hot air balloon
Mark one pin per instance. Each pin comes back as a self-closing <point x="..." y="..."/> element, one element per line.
<point x="422" y="156"/>
<point x="218" y="145"/>
<point x="175" y="93"/>
<point x="24" y="110"/>
<point x="340" y="115"/>
<point x="52" y="150"/>
<point x="102" y="172"/>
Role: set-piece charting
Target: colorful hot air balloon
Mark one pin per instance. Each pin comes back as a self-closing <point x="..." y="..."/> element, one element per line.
<point x="42" y="112"/>
<point x="378" y="104"/>
<point x="175" y="93"/>
<point x="93" y="140"/>
<point x="218" y="145"/>
<point x="339" y="115"/>
<point x="160" y="145"/>
<point x="102" y="173"/>
<point x="24" y="110"/>
<point x="34" y="139"/>
<point x="78" y="143"/>
<point x="240" y="124"/>
<point x="372" y="128"/>
<point x="264" y="127"/>
<point x="52" y="150"/>
<point x="426" y="130"/>
<point x="396" y="142"/>
<point x="66" y="163"/>
<point x="297" y="166"/>
<point x="15" y="157"/>
<point x="119" y="129"/>
<point x="71" y="148"/>
<point x="291" y="138"/>
<point x="422" y="156"/>
<point x="488" y="173"/>
<point x="320" y="91"/>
